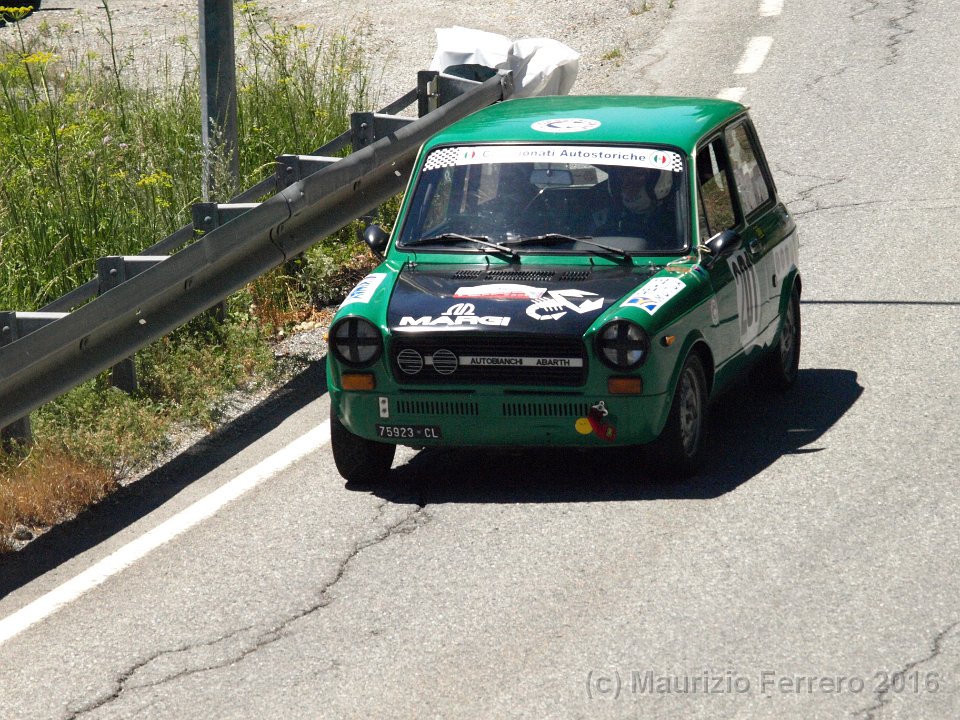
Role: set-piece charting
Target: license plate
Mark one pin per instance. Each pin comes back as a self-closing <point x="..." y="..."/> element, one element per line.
<point x="409" y="432"/>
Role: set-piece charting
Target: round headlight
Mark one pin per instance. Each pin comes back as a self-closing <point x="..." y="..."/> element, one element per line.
<point x="355" y="341"/>
<point x="622" y="345"/>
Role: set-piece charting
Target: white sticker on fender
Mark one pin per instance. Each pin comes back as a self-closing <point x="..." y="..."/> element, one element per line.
<point x="364" y="289"/>
<point x="654" y="294"/>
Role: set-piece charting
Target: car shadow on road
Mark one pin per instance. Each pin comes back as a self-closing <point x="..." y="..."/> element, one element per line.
<point x="138" y="499"/>
<point x="750" y="430"/>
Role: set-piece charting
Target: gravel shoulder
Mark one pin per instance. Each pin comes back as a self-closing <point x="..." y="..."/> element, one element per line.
<point x="399" y="36"/>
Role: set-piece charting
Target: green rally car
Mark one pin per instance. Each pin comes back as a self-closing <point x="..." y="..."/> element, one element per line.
<point x="569" y="271"/>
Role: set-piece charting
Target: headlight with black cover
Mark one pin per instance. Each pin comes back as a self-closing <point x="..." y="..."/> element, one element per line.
<point x="356" y="342"/>
<point x="622" y="345"/>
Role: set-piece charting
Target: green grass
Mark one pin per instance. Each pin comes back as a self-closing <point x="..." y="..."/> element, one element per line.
<point x="94" y="163"/>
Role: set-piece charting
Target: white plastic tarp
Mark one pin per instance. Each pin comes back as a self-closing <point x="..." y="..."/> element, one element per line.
<point x="540" y="66"/>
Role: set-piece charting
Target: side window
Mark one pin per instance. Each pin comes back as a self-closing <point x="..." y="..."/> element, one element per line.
<point x="716" y="203"/>
<point x="751" y="184"/>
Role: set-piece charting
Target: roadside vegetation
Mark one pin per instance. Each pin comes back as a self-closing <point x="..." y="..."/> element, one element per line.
<point x="95" y="161"/>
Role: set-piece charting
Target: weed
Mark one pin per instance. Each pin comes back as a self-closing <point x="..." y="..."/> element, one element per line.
<point x="645" y="6"/>
<point x="613" y="55"/>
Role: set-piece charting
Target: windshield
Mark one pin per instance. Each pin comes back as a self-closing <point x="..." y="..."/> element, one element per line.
<point x="550" y="198"/>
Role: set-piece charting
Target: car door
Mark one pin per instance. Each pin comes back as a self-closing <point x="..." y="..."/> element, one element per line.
<point x="765" y="222"/>
<point x="736" y="307"/>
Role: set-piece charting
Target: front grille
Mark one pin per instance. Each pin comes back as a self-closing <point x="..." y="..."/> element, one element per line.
<point x="436" y="407"/>
<point x="471" y="358"/>
<point x="551" y="409"/>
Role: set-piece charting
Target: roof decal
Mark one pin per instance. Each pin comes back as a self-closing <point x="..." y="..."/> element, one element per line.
<point x="603" y="155"/>
<point x="565" y="125"/>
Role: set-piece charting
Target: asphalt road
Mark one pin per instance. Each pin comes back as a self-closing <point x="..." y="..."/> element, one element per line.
<point x="810" y="572"/>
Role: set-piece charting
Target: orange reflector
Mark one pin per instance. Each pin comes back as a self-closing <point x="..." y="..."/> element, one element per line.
<point x="668" y="340"/>
<point x="359" y="381"/>
<point x="624" y="386"/>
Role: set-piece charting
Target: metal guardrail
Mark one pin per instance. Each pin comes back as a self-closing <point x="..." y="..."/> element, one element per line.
<point x="138" y="299"/>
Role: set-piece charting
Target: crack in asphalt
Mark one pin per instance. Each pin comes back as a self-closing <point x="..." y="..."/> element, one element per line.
<point x="883" y="696"/>
<point x="899" y="32"/>
<point x="805" y="194"/>
<point x="812" y="85"/>
<point x="405" y="525"/>
<point x="871" y="6"/>
<point x="839" y="206"/>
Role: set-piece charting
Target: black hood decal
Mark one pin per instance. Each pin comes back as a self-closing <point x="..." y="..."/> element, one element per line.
<point x="561" y="300"/>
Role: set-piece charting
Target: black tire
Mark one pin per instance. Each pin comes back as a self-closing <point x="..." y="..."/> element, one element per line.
<point x="357" y="459"/>
<point x="779" y="368"/>
<point x="679" y="451"/>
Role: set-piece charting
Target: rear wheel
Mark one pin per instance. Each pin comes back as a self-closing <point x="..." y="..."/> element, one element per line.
<point x="357" y="459"/>
<point x="679" y="450"/>
<point x="779" y="369"/>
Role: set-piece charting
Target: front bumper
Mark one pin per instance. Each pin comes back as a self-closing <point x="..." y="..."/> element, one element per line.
<point x="501" y="418"/>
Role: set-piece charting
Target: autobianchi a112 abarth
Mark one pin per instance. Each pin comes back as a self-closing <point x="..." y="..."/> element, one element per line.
<point x="569" y="271"/>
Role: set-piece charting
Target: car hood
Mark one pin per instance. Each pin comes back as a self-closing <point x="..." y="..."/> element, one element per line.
<point x="563" y="300"/>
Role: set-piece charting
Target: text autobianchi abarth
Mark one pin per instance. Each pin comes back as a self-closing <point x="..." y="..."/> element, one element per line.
<point x="569" y="271"/>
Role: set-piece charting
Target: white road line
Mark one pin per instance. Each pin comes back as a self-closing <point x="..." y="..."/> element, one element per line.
<point x="754" y="55"/>
<point x="732" y="93"/>
<point x="181" y="522"/>
<point x="771" y="8"/>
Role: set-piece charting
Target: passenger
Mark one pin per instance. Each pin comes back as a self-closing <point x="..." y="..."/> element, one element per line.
<point x="644" y="206"/>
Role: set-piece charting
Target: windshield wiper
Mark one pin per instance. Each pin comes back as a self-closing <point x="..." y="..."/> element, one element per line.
<point x="450" y="238"/>
<point x="557" y="238"/>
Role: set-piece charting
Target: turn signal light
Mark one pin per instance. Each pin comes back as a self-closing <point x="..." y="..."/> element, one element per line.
<point x="625" y="386"/>
<point x="359" y="381"/>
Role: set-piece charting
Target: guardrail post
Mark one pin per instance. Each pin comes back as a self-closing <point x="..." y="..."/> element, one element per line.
<point x="19" y="431"/>
<point x="291" y="169"/>
<point x="428" y="94"/>
<point x="218" y="92"/>
<point x="111" y="271"/>
<point x="14" y="326"/>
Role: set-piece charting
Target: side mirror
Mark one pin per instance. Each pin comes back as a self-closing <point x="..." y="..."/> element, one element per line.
<point x="723" y="243"/>
<point x="376" y="239"/>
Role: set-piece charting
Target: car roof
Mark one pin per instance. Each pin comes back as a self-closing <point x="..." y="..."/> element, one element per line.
<point x="646" y="119"/>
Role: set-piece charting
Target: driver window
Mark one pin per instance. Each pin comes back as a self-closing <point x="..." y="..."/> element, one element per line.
<point x="751" y="183"/>
<point x="716" y="203"/>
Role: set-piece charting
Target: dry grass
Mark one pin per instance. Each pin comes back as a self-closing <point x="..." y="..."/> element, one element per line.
<point x="44" y="489"/>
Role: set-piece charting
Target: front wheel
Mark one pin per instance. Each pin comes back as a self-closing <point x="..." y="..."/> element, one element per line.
<point x="679" y="450"/>
<point x="357" y="459"/>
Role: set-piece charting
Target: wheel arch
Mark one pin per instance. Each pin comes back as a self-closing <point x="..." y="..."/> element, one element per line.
<point x="694" y="343"/>
<point x="706" y="358"/>
<point x="790" y="282"/>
